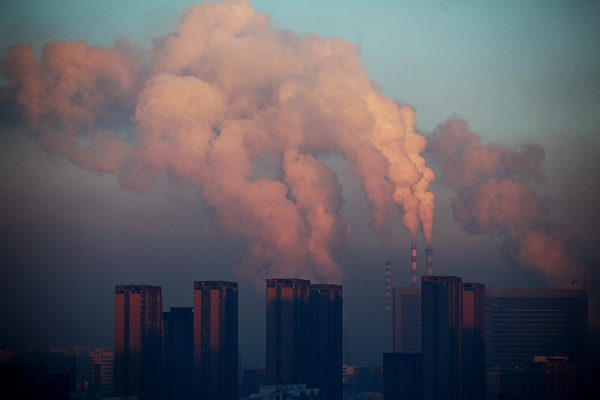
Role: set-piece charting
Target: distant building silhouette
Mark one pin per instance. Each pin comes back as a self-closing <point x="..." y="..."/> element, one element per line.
<point x="288" y="319"/>
<point x="138" y="341"/>
<point x="473" y="341"/>
<point x="523" y="323"/>
<point x="442" y="337"/>
<point x="546" y="378"/>
<point x="326" y="304"/>
<point x="287" y="392"/>
<point x="101" y="361"/>
<point x="407" y="319"/>
<point x="178" y="353"/>
<point x="402" y="376"/>
<point x="216" y="340"/>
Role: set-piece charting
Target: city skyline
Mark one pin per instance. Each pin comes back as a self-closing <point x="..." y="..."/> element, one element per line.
<point x="75" y="225"/>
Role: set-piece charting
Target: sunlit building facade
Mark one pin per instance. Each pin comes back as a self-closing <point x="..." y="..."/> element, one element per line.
<point x="288" y="319"/>
<point x="216" y="340"/>
<point x="138" y="341"/>
<point x="473" y="341"/>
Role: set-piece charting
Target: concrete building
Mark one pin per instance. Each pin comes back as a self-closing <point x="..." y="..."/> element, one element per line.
<point x="288" y="322"/>
<point x="216" y="340"/>
<point x="178" y="353"/>
<point x="138" y="341"/>
<point x="442" y="321"/>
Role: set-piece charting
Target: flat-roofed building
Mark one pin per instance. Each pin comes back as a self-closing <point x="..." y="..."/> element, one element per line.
<point x="138" y="341"/>
<point x="288" y="324"/>
<point x="522" y="323"/>
<point x="216" y="340"/>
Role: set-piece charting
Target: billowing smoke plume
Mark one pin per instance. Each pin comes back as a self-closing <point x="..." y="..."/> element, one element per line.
<point x="245" y="113"/>
<point x="494" y="196"/>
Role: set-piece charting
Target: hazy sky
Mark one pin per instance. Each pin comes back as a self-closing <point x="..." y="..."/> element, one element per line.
<point x="518" y="72"/>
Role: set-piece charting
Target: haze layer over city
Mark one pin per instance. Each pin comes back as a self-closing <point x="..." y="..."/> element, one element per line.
<point x="164" y="143"/>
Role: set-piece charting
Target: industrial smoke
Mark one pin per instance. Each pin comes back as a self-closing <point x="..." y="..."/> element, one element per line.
<point x="494" y="192"/>
<point x="246" y="114"/>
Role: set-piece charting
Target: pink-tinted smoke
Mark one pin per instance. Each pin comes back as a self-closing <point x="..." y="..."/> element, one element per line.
<point x="244" y="112"/>
<point x="495" y="196"/>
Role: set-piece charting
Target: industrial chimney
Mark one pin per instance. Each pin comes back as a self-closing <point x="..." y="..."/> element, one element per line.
<point x="413" y="264"/>
<point x="388" y="308"/>
<point x="429" y="261"/>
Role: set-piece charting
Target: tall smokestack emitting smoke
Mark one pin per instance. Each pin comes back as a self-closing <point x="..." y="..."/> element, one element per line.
<point x="429" y="261"/>
<point x="413" y="265"/>
<point x="246" y="114"/>
<point x="494" y="196"/>
<point x="389" y="329"/>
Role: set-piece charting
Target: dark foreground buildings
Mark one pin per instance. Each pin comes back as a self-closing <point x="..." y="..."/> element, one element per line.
<point x="178" y="353"/>
<point x="473" y="341"/>
<point x="138" y="341"/>
<point x="326" y="339"/>
<point x="402" y="376"/>
<point x="216" y="340"/>
<point x="534" y="330"/>
<point x="304" y="335"/>
<point x="442" y="337"/>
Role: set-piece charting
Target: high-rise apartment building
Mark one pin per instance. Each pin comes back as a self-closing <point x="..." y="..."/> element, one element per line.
<point x="473" y="341"/>
<point x="216" y="340"/>
<point x="288" y="319"/>
<point x="138" y="341"/>
<point x="406" y="320"/>
<point x="442" y="337"/>
<point x="178" y="353"/>
<point x="326" y="304"/>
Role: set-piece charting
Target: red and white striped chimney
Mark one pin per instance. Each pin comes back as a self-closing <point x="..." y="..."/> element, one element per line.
<point x="429" y="261"/>
<point x="388" y="308"/>
<point x="413" y="264"/>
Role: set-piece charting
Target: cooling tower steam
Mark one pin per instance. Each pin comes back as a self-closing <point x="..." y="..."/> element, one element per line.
<point x="494" y="192"/>
<point x="246" y="114"/>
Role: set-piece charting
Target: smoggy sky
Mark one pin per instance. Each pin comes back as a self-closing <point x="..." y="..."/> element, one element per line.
<point x="245" y="147"/>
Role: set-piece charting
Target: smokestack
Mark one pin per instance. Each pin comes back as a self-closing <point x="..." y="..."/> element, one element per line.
<point x="388" y="307"/>
<point x="413" y="264"/>
<point x="429" y="261"/>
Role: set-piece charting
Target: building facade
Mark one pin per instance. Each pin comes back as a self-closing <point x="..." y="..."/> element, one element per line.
<point x="473" y="341"/>
<point x="442" y="337"/>
<point x="216" y="340"/>
<point x="407" y="319"/>
<point x="138" y="341"/>
<point x="523" y="323"/>
<point x="288" y="319"/>
<point x="326" y="310"/>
